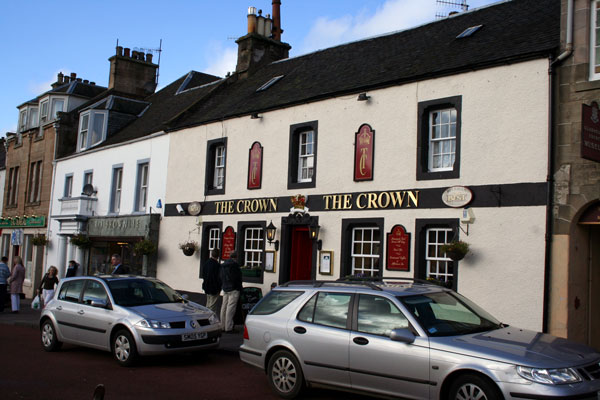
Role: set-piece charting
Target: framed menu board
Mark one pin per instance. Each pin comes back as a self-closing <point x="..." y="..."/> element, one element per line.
<point x="398" y="249"/>
<point x="228" y="243"/>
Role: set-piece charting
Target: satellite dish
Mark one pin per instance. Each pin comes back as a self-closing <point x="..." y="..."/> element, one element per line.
<point x="88" y="189"/>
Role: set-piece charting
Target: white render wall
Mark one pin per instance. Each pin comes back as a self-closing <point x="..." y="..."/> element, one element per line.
<point x="154" y="149"/>
<point x="503" y="140"/>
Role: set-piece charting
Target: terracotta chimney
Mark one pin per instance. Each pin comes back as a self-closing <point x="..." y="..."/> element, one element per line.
<point x="277" y="31"/>
<point x="251" y="19"/>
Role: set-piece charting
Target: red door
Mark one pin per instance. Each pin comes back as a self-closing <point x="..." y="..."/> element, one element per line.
<point x="301" y="254"/>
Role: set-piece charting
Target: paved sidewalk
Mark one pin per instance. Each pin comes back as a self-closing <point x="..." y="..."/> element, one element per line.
<point x="30" y="318"/>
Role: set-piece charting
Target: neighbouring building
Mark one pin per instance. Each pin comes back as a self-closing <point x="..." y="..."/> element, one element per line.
<point x="30" y="153"/>
<point x="575" y="273"/>
<point x="110" y="178"/>
<point x="367" y="157"/>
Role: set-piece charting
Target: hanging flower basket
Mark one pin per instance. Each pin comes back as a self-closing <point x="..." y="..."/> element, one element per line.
<point x="455" y="250"/>
<point x="82" y="241"/>
<point x="189" y="247"/>
<point x="144" y="247"/>
<point x="39" y="240"/>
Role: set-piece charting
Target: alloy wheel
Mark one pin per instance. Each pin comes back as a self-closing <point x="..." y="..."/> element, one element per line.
<point x="284" y="374"/>
<point x="470" y="391"/>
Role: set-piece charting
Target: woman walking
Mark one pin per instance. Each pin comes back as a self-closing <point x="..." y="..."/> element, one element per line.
<point x="47" y="285"/>
<point x="17" y="276"/>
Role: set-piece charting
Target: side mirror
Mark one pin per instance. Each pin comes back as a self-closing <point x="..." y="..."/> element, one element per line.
<point x="99" y="303"/>
<point x="185" y="296"/>
<point x="402" y="335"/>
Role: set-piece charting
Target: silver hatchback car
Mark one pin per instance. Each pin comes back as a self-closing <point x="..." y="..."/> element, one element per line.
<point x="127" y="315"/>
<point x="409" y="340"/>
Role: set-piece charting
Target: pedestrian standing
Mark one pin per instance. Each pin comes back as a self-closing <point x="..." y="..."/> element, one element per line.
<point x="118" y="268"/>
<point x="49" y="281"/>
<point x="4" y="275"/>
<point x="231" y="277"/>
<point x="17" y="276"/>
<point x="72" y="269"/>
<point x="211" y="280"/>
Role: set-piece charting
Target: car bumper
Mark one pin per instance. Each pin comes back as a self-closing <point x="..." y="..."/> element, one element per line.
<point x="252" y="357"/>
<point x="578" y="391"/>
<point x="151" y="343"/>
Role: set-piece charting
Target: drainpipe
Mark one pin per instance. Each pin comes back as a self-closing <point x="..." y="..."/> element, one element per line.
<point x="550" y="174"/>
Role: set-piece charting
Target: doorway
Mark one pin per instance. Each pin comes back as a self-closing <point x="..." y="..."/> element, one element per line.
<point x="594" y="293"/>
<point x="300" y="254"/>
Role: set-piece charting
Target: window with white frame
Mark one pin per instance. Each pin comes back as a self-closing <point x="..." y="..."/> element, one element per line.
<point x="33" y="117"/>
<point x="5" y="245"/>
<point x="306" y="156"/>
<point x="595" y="40"/>
<point x="23" y="121"/>
<point x="438" y="266"/>
<point x="58" y="105"/>
<point x="13" y="186"/>
<point x="442" y="139"/>
<point x="214" y="238"/>
<point x="92" y="129"/>
<point x="88" y="178"/>
<point x="68" y="191"/>
<point x="35" y="181"/>
<point x="44" y="112"/>
<point x="365" y="251"/>
<point x="141" y="193"/>
<point x="115" y="197"/>
<point x="253" y="247"/>
<point x="28" y="256"/>
<point x="219" y="175"/>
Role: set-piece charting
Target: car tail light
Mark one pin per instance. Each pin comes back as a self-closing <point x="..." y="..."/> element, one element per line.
<point x="246" y="333"/>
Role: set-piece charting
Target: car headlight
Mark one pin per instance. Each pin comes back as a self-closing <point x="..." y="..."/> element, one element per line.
<point x="153" y="324"/>
<point x="555" y="376"/>
<point x="213" y="319"/>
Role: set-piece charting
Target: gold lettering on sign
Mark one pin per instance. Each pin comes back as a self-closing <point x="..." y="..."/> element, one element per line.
<point x="363" y="161"/>
<point x="359" y="203"/>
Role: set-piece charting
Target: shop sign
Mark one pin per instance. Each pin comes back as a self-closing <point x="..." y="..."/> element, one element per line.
<point x="16" y="237"/>
<point x="398" y="249"/>
<point x="255" y="166"/>
<point x="364" y="143"/>
<point x="119" y="226"/>
<point x="590" y="132"/>
<point x="457" y="196"/>
<point x="23" y="222"/>
<point x="228" y="243"/>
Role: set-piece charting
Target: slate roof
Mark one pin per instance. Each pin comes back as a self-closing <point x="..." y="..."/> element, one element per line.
<point x="75" y="88"/>
<point x="512" y="31"/>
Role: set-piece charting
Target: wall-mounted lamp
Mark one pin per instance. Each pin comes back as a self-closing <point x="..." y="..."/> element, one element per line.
<point x="271" y="230"/>
<point x="180" y="209"/>
<point x="363" y="97"/>
<point x="255" y="116"/>
<point x="313" y="231"/>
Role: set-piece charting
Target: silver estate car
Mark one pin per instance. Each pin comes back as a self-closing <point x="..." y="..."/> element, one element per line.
<point x="127" y="315"/>
<point x="410" y="340"/>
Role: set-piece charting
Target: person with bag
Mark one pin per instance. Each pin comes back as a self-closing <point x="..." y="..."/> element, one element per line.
<point x="4" y="275"/>
<point x="17" y="276"/>
<point x="47" y="285"/>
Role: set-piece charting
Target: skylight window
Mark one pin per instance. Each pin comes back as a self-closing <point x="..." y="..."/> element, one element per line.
<point x="469" y="31"/>
<point x="269" y="83"/>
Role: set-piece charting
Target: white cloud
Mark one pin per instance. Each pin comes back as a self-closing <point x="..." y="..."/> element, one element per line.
<point x="37" y="88"/>
<point x="223" y="60"/>
<point x="393" y="15"/>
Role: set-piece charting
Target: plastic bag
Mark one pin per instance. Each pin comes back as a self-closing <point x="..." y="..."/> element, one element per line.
<point x="35" y="303"/>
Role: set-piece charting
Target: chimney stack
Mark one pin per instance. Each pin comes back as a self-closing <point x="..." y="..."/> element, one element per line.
<point x="132" y="72"/>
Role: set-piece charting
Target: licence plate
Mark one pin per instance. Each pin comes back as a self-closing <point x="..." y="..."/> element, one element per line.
<point x="193" y="336"/>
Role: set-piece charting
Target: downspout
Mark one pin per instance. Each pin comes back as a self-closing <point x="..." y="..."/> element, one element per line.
<point x="49" y="230"/>
<point x="550" y="174"/>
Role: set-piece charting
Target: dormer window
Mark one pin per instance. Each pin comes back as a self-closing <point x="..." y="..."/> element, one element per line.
<point x="44" y="113"/>
<point x="58" y="105"/>
<point x="28" y="118"/>
<point x="92" y="129"/>
<point x="22" y="121"/>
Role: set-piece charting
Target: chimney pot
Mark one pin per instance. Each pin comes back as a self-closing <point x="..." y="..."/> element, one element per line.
<point x="149" y="57"/>
<point x="60" y="77"/>
<point x="66" y="79"/>
<point x="78" y="79"/>
<point x="119" y="50"/>
<point x="93" y="83"/>
<point x="73" y="76"/>
<point x="260" y="24"/>
<point x="276" y="20"/>
<point x="86" y="81"/>
<point x="251" y="19"/>
<point x="126" y="51"/>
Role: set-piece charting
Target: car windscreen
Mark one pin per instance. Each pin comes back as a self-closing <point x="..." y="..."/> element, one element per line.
<point x="274" y="301"/>
<point x="139" y="292"/>
<point x="448" y="314"/>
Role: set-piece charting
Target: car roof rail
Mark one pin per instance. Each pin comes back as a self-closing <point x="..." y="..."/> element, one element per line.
<point x="383" y="279"/>
<point x="332" y="283"/>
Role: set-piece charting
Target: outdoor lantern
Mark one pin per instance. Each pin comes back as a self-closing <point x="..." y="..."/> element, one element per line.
<point x="313" y="231"/>
<point x="271" y="230"/>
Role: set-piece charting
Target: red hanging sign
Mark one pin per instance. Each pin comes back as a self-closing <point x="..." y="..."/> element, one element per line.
<point x="398" y="249"/>
<point x="228" y="243"/>
<point x="255" y="166"/>
<point x="364" y="143"/>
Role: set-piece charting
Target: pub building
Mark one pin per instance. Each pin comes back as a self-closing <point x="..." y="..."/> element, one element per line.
<point x="364" y="159"/>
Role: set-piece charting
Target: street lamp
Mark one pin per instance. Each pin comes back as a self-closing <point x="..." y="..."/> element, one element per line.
<point x="271" y="230"/>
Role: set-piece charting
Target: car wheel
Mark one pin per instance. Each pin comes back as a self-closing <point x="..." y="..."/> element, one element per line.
<point x="473" y="387"/>
<point x="50" y="341"/>
<point x="285" y="375"/>
<point x="123" y="348"/>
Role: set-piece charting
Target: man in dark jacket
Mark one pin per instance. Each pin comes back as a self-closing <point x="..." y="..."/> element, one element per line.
<point x="211" y="280"/>
<point x="231" y="277"/>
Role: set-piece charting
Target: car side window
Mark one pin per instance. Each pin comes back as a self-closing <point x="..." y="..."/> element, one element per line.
<point x="70" y="291"/>
<point x="274" y="301"/>
<point x="329" y="309"/>
<point x="94" y="291"/>
<point x="378" y="315"/>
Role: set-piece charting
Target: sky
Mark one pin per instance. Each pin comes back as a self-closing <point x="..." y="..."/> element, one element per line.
<point x="45" y="37"/>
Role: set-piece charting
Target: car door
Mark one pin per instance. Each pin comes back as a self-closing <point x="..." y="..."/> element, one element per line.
<point x="321" y="335"/>
<point x="379" y="364"/>
<point x="95" y="322"/>
<point x="65" y="309"/>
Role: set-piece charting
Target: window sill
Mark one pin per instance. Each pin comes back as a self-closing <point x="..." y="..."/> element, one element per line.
<point x="211" y="192"/>
<point x="33" y="204"/>
<point x="588" y="85"/>
<point x="301" y="185"/>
